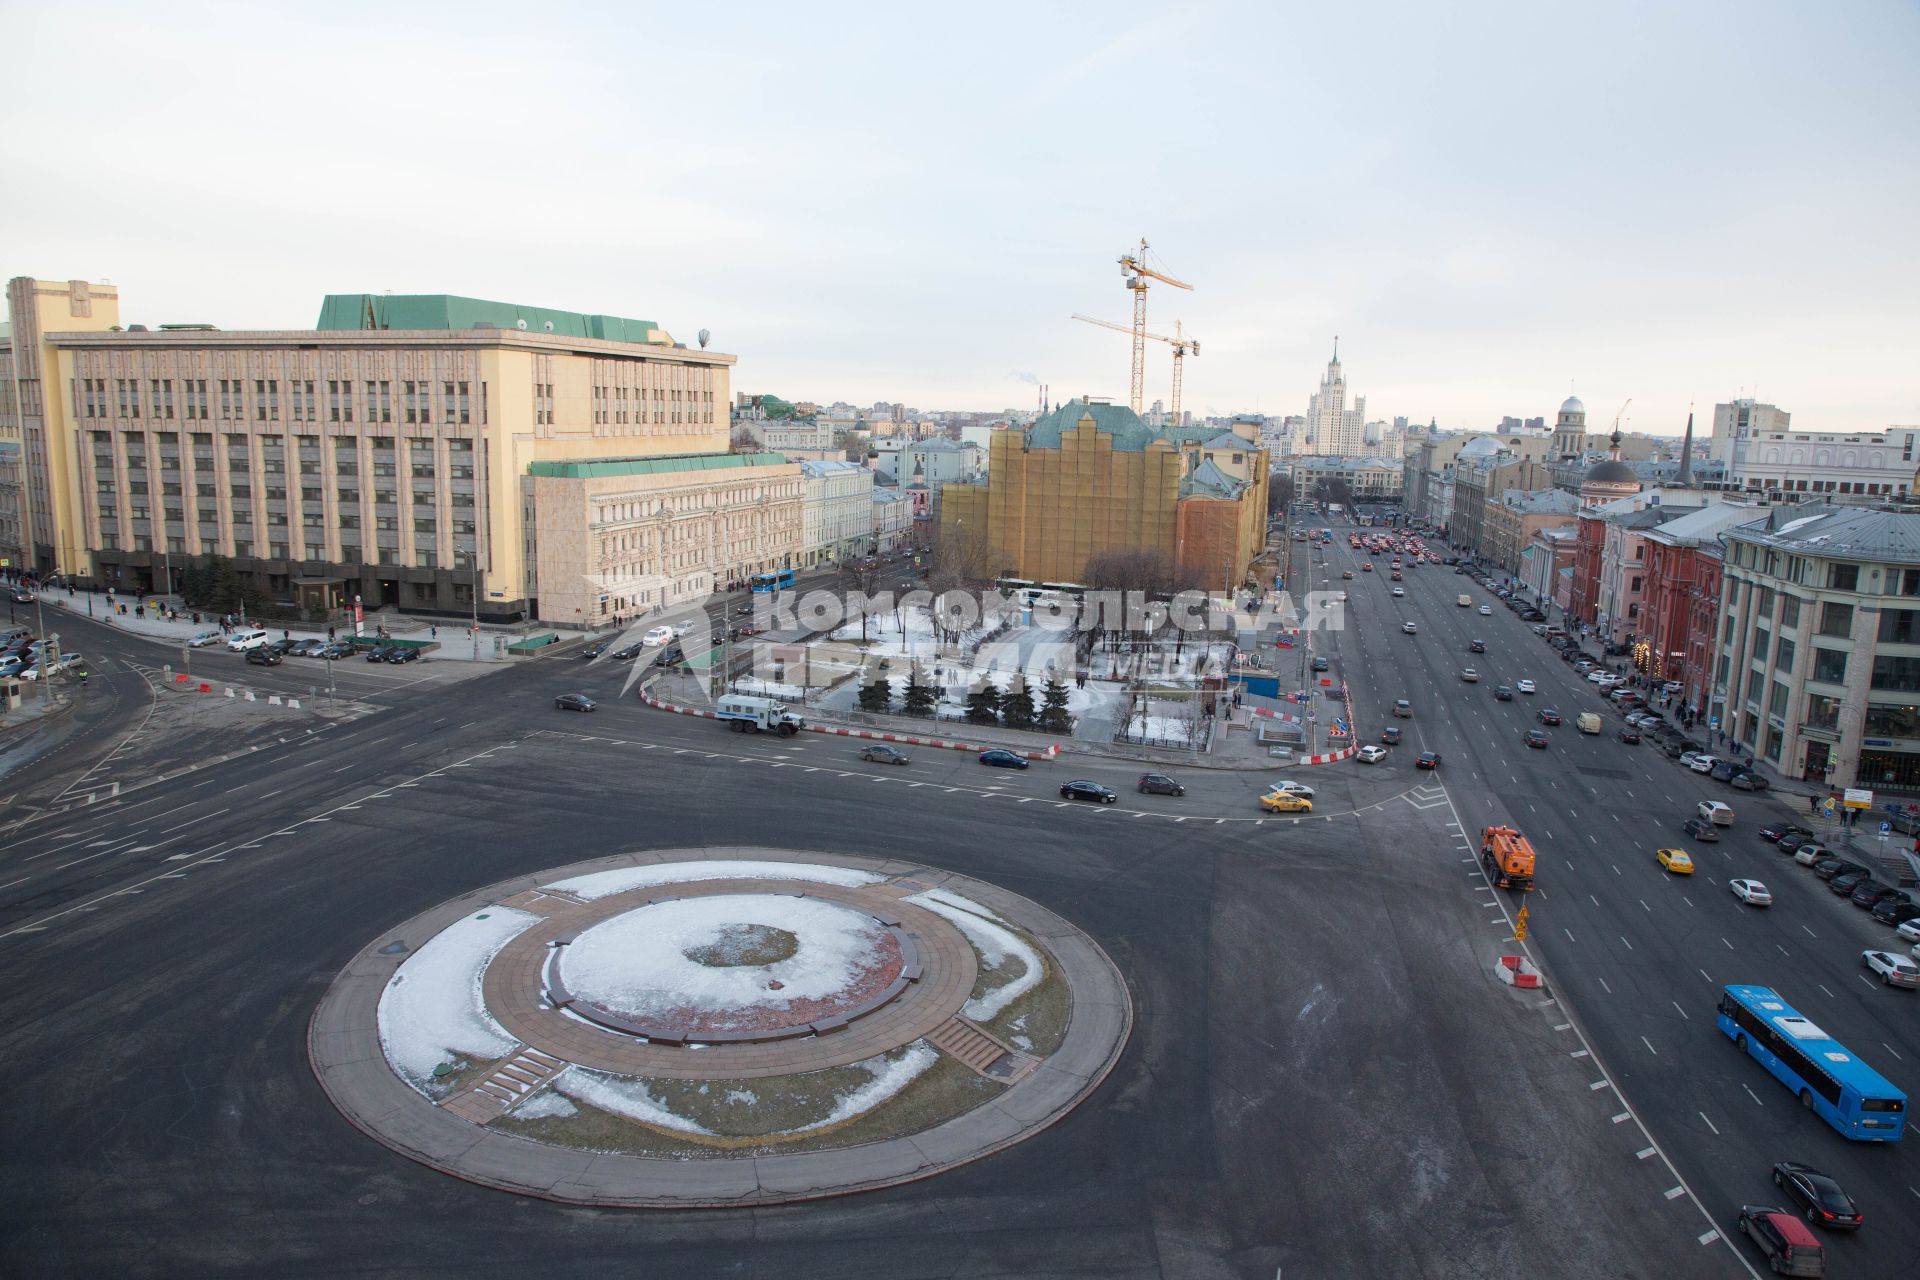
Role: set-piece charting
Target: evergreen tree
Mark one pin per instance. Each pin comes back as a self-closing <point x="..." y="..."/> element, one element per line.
<point x="193" y="584"/>
<point x="223" y="585"/>
<point x="920" y="696"/>
<point x="876" y="695"/>
<point x="983" y="704"/>
<point x="1054" y="717"/>
<point x="1016" y="710"/>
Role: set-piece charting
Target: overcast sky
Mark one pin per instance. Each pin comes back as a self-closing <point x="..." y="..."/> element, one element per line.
<point x="1489" y="203"/>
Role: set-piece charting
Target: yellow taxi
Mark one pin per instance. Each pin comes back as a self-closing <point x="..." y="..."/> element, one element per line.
<point x="1285" y="802"/>
<point x="1678" y="861"/>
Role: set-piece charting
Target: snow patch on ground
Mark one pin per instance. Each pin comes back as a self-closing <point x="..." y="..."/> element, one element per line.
<point x="601" y="884"/>
<point x="432" y="1009"/>
<point x="995" y="945"/>
<point x="955" y="900"/>
<point x="636" y="963"/>
<point x="889" y="1078"/>
<point x="624" y="1097"/>
<point x="769" y="689"/>
<point x="546" y="1104"/>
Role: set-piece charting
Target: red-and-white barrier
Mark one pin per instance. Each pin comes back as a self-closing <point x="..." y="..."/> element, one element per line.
<point x="837" y="732"/>
<point x="1516" y="972"/>
<point x="1330" y="757"/>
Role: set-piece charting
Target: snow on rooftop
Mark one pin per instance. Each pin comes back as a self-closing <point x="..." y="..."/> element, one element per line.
<point x="601" y="884"/>
<point x="996" y="946"/>
<point x="639" y="963"/>
<point x="1802" y="522"/>
<point x="432" y="1009"/>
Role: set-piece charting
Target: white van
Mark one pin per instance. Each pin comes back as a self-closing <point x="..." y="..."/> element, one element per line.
<point x="658" y="635"/>
<point x="240" y="641"/>
<point x="1588" y="722"/>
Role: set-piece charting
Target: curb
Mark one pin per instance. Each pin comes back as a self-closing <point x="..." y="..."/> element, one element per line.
<point x="1050" y="753"/>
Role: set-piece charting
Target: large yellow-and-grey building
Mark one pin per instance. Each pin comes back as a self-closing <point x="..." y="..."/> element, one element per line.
<point x="406" y="451"/>
<point x="1091" y="477"/>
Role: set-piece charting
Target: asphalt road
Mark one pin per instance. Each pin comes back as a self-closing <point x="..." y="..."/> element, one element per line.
<point x="1325" y="1079"/>
<point x="1641" y="955"/>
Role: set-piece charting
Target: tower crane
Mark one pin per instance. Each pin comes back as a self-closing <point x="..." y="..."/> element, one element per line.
<point x="1135" y="271"/>
<point x="1182" y="345"/>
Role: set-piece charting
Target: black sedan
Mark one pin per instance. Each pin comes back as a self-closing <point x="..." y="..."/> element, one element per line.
<point x="573" y="702"/>
<point x="593" y="651"/>
<point x="1628" y="735"/>
<point x="1477" y="646"/>
<point x="379" y="653"/>
<point x="881" y="753"/>
<point x="1780" y="830"/>
<point x="1000" y="758"/>
<point x="627" y="654"/>
<point x="1081" y="789"/>
<point x="1160" y="784"/>
<point x="1427" y="760"/>
<point x="1549" y="716"/>
<point x="1702" y="830"/>
<point x="264" y="656"/>
<point x="1536" y="739"/>
<point x="1895" y="911"/>
<point x="403" y="653"/>
<point x="1820" y="1197"/>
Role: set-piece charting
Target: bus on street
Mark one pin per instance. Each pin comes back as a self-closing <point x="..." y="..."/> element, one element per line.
<point x="1829" y="1081"/>
<point x="771" y="581"/>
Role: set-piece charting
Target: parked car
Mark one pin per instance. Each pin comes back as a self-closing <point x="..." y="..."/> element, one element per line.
<point x="1082" y="789"/>
<point x="1808" y="852"/>
<point x="1869" y="893"/>
<point x="378" y="653"/>
<point x="1702" y="830"/>
<point x="573" y="702"/>
<point x="335" y="651"/>
<point x="1894" y="971"/>
<point x="1001" y="758"/>
<point x="403" y="653"/>
<point x="1748" y="781"/>
<point x="1896" y="911"/>
<point x="1751" y="892"/>
<point x="1370" y="754"/>
<point x="1160" y="784"/>
<point x="305" y="648"/>
<point x="1909" y="930"/>
<point x="1676" y="861"/>
<point x="1844" y="883"/>
<point x="881" y="753"/>
<point x="1828" y="868"/>
<point x="204" y="639"/>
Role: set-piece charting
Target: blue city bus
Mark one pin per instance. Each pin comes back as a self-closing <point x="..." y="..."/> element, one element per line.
<point x="771" y="581"/>
<point x="1836" y="1086"/>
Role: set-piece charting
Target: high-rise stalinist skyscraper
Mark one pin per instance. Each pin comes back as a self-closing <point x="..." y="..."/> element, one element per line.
<point x="1332" y="428"/>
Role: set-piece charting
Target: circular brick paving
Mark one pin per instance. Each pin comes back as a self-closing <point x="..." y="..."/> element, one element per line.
<point x="907" y="978"/>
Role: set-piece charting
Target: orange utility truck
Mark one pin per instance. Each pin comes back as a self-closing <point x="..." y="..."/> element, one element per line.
<point x="1507" y="856"/>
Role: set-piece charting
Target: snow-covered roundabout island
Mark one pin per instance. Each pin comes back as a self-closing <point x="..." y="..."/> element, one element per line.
<point x="700" y="1027"/>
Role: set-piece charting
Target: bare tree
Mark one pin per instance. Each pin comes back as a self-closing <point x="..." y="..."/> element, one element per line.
<point x="860" y="574"/>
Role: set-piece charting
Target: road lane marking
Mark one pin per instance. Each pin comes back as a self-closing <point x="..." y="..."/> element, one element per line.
<point x="1683" y="1012"/>
<point x="1603" y="983"/>
<point x="1754" y="1096"/>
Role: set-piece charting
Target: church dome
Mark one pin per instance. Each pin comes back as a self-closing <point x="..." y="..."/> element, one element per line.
<point x="1573" y="405"/>
<point x="1610" y="473"/>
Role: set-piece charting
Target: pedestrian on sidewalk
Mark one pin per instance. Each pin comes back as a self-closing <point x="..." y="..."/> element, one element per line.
<point x="1813" y="806"/>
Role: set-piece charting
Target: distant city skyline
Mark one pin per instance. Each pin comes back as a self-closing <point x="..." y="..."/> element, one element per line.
<point x="1509" y="204"/>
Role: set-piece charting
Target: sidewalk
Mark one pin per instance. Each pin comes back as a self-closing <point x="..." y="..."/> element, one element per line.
<point x="455" y="642"/>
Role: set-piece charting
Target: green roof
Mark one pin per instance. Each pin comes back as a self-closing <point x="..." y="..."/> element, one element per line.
<point x="1130" y="434"/>
<point x="653" y="466"/>
<point x="448" y="311"/>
